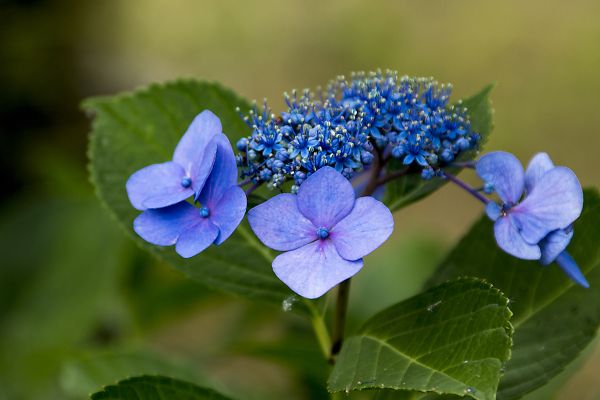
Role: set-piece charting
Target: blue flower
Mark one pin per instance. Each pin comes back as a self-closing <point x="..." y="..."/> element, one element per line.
<point x="323" y="230"/>
<point x="538" y="207"/>
<point x="220" y="204"/>
<point x="161" y="185"/>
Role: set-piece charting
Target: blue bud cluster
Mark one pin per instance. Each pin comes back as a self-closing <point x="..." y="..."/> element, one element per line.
<point x="406" y="118"/>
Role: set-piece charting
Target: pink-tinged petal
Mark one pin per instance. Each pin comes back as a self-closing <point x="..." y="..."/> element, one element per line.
<point x="157" y="185"/>
<point x="325" y="197"/>
<point x="313" y="269"/>
<point x="554" y="203"/>
<point x="509" y="239"/>
<point x="279" y="224"/>
<point x="196" y="238"/>
<point x="554" y="244"/>
<point x="505" y="172"/>
<point x="223" y="175"/>
<point x="538" y="166"/>
<point x="369" y="224"/>
<point x="164" y="225"/>
<point x="196" y="150"/>
<point x="228" y="214"/>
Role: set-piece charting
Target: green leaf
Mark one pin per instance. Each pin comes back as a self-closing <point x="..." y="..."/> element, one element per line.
<point x="156" y="388"/>
<point x="86" y="373"/>
<point x="554" y="319"/>
<point x="133" y="130"/>
<point x="411" y="187"/>
<point x="452" y="339"/>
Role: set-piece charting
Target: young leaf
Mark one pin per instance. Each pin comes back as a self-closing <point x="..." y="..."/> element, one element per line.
<point x="156" y="388"/>
<point x="411" y="187"/>
<point x="137" y="129"/>
<point x="554" y="319"/>
<point x="452" y="339"/>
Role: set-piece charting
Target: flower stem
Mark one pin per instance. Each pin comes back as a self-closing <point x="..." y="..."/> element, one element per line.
<point x="320" y="328"/>
<point x="466" y="187"/>
<point x="341" y="309"/>
<point x="252" y="188"/>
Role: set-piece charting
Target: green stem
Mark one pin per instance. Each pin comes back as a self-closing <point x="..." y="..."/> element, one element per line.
<point x="320" y="328"/>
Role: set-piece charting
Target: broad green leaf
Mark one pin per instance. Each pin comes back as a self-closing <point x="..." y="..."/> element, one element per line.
<point x="410" y="188"/>
<point x="136" y="129"/>
<point x="554" y="319"/>
<point x="86" y="373"/>
<point x="156" y="388"/>
<point x="452" y="339"/>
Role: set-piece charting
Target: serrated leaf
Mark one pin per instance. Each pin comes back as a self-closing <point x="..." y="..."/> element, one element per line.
<point x="554" y="319"/>
<point x="452" y="339"/>
<point x="136" y="129"/>
<point x="411" y="187"/>
<point x="156" y="388"/>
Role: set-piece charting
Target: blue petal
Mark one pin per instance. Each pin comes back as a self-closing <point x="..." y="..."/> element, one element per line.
<point x="279" y="224"/>
<point x="538" y="166"/>
<point x="164" y="225"/>
<point x="554" y="203"/>
<point x="314" y="269"/>
<point x="196" y="150"/>
<point x="230" y="211"/>
<point x="197" y="237"/>
<point x="156" y="186"/>
<point x="505" y="172"/>
<point x="325" y="197"/>
<point x="554" y="244"/>
<point x="509" y="239"/>
<point x="368" y="226"/>
<point x="493" y="211"/>
<point x="569" y="266"/>
<point x="223" y="175"/>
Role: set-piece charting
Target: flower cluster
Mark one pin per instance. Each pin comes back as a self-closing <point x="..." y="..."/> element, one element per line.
<point x="351" y="123"/>
<point x="203" y="168"/>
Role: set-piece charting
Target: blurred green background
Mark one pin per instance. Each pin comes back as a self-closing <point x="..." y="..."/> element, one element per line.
<point x="81" y="306"/>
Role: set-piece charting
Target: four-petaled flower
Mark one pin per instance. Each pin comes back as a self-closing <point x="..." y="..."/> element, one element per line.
<point x="205" y="156"/>
<point x="323" y="230"/>
<point x="534" y="220"/>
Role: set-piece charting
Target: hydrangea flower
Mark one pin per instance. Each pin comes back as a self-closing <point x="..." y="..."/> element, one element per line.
<point x="406" y="118"/>
<point x="323" y="230"/>
<point x="161" y="185"/>
<point x="538" y="207"/>
<point x="219" y="205"/>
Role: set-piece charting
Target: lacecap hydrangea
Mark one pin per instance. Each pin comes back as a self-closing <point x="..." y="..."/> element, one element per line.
<point x="405" y="118"/>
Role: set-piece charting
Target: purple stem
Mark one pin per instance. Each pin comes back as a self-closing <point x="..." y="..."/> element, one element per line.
<point x="466" y="187"/>
<point x="245" y="182"/>
<point x="252" y="188"/>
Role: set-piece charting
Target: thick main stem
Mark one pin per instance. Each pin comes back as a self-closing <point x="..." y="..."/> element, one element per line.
<point x="343" y="294"/>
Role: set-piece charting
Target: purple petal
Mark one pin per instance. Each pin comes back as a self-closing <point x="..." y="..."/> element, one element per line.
<point x="538" y="166"/>
<point x="493" y="210"/>
<point x="313" y="269"/>
<point x="229" y="212"/>
<point x="554" y="203"/>
<point x="157" y="185"/>
<point x="164" y="225"/>
<point x="197" y="237"/>
<point x="369" y="224"/>
<point x="505" y="172"/>
<point x="509" y="239"/>
<point x="223" y="175"/>
<point x="554" y="244"/>
<point x="325" y="197"/>
<point x="279" y="224"/>
<point x="196" y="150"/>
<point x="569" y="266"/>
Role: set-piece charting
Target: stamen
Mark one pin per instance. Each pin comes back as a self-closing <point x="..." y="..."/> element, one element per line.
<point x="204" y="212"/>
<point x="186" y="182"/>
<point x="322" y="233"/>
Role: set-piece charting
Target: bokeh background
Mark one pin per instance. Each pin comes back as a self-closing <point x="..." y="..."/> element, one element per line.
<point x="81" y="306"/>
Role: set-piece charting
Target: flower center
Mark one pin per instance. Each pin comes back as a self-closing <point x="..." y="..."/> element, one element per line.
<point x="322" y="233"/>
<point x="186" y="182"/>
<point x="204" y="212"/>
